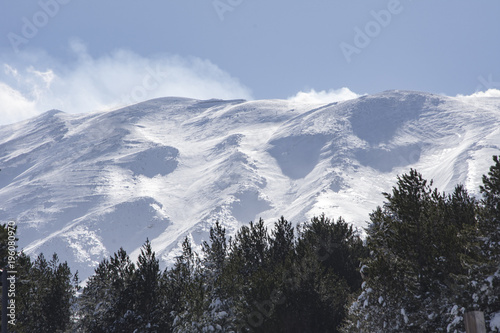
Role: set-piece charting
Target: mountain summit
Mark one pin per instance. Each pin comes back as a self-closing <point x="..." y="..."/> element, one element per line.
<point x="85" y="185"/>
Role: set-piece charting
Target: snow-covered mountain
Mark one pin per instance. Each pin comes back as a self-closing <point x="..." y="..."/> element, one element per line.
<point x="85" y="185"/>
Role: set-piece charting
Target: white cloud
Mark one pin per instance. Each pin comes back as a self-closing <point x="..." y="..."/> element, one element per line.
<point x="324" y="97"/>
<point x="480" y="94"/>
<point x="14" y="105"/>
<point x="107" y="82"/>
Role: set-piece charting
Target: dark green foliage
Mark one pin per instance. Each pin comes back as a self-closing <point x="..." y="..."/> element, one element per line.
<point x="106" y="302"/>
<point x="282" y="242"/>
<point x="45" y="295"/>
<point x="147" y="293"/>
<point x="122" y="297"/>
<point x="6" y="230"/>
<point x="428" y="257"/>
<point x="487" y="271"/>
<point x="426" y="267"/>
<point x="295" y="284"/>
<point x="216" y="251"/>
<point x="251" y="248"/>
<point x="312" y="298"/>
<point x="337" y="246"/>
<point x="491" y="189"/>
<point x="256" y="282"/>
<point x="186" y="290"/>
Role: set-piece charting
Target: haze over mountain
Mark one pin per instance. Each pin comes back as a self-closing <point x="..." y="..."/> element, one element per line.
<point x="85" y="185"/>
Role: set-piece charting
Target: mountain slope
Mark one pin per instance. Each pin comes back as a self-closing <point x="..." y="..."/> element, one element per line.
<point x="85" y="185"/>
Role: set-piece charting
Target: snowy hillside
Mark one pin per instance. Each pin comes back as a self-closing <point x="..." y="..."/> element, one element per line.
<point x="85" y="185"/>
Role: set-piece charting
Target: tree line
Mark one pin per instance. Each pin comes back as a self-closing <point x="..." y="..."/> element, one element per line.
<point x="427" y="258"/>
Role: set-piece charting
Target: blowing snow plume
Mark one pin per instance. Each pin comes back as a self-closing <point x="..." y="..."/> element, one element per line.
<point x="106" y="82"/>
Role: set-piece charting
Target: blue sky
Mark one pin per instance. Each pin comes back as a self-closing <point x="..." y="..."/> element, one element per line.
<point x="80" y="56"/>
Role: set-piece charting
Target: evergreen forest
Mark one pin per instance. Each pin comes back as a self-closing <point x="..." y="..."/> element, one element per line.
<point x="425" y="258"/>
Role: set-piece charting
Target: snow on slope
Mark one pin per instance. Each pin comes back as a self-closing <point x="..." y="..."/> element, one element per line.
<point x="85" y="185"/>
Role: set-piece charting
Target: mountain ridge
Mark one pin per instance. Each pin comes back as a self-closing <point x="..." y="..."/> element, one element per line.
<point x="84" y="185"/>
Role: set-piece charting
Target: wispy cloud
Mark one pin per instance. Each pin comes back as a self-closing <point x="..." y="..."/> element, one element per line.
<point x="14" y="105"/>
<point x="107" y="82"/>
<point x="487" y="93"/>
<point x="324" y="97"/>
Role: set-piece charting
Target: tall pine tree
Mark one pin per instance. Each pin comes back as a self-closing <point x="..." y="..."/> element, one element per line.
<point x="417" y="249"/>
<point x="487" y="280"/>
<point x="45" y="295"/>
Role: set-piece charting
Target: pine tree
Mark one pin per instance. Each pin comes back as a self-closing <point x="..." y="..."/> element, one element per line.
<point x="250" y="246"/>
<point x="47" y="295"/>
<point x="487" y="275"/>
<point x="338" y="246"/>
<point x="317" y="284"/>
<point x="219" y="286"/>
<point x="106" y="303"/>
<point x="186" y="291"/>
<point x="491" y="189"/>
<point x="6" y="230"/>
<point x="418" y="260"/>
<point x="148" y="300"/>
<point x="249" y="266"/>
<point x="282" y="241"/>
<point x="25" y="300"/>
<point x="95" y="303"/>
